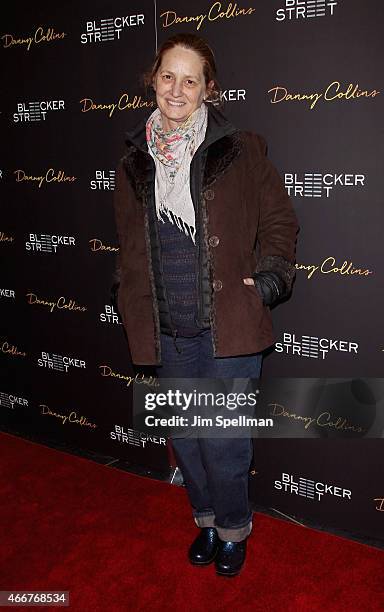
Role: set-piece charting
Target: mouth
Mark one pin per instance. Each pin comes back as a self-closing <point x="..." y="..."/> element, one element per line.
<point x="175" y="104"/>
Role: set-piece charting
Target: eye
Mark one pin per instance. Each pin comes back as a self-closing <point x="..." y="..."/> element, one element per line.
<point x="166" y="77"/>
<point x="190" y="83"/>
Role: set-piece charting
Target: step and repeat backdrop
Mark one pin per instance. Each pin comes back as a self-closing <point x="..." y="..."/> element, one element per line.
<point x="305" y="74"/>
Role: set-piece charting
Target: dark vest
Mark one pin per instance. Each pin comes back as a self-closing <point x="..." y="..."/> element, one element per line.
<point x="179" y="274"/>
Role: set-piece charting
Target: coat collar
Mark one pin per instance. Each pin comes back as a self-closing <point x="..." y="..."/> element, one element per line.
<point x="222" y="140"/>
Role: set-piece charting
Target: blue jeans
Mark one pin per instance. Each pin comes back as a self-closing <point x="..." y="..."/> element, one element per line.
<point x="215" y="470"/>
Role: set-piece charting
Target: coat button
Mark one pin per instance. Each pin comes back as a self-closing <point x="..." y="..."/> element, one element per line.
<point x="214" y="241"/>
<point x="209" y="194"/>
<point x="217" y="285"/>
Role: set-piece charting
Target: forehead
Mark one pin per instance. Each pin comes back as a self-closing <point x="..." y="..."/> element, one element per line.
<point x="182" y="60"/>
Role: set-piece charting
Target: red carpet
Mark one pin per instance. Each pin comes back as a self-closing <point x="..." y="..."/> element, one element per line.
<point x="118" y="542"/>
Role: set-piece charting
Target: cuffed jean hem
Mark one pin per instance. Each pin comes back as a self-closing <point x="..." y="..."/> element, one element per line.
<point x="234" y="535"/>
<point x="226" y="534"/>
<point x="205" y="520"/>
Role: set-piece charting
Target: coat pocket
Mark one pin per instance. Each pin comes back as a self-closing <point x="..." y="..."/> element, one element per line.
<point x="253" y="290"/>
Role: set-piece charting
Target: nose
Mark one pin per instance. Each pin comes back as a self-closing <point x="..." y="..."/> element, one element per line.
<point x="176" y="89"/>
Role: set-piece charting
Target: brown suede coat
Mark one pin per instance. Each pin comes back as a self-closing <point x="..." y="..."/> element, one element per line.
<point x="249" y="225"/>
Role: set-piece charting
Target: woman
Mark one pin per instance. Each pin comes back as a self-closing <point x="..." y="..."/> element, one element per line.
<point x="207" y="244"/>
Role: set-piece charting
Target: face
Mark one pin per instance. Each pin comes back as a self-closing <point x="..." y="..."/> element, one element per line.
<point x="179" y="85"/>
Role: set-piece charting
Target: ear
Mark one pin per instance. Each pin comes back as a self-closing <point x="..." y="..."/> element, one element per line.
<point x="209" y="89"/>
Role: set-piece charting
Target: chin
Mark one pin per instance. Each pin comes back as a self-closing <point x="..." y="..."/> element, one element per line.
<point x="177" y="116"/>
<point x="174" y="118"/>
<point x="183" y="111"/>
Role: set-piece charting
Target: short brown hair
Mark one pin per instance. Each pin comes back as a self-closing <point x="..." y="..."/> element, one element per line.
<point x="201" y="47"/>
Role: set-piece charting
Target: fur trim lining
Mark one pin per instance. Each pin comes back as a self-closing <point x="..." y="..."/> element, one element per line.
<point x="211" y="273"/>
<point x="136" y="164"/>
<point x="279" y="265"/>
<point x="221" y="154"/>
<point x="156" y="318"/>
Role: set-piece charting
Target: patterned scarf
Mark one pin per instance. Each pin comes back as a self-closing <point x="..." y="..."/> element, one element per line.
<point x="172" y="152"/>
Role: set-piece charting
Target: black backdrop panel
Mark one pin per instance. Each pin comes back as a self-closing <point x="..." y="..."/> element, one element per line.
<point x="308" y="77"/>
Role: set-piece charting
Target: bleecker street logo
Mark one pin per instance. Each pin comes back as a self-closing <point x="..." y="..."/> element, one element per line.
<point x="7" y="400"/>
<point x="109" y="315"/>
<point x="318" y="184"/>
<point x="7" y="293"/>
<point x="306" y="9"/>
<point x="304" y="487"/>
<point x="134" y="437"/>
<point x="332" y="92"/>
<point x="216" y="12"/>
<point x="39" y="36"/>
<point x="47" y="243"/>
<point x="104" y="180"/>
<point x="231" y="95"/>
<point x="103" y="30"/>
<point x="312" y="346"/>
<point x="61" y="363"/>
<point x="36" y="111"/>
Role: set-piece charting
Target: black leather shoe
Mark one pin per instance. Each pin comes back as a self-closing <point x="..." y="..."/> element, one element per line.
<point x="204" y="548"/>
<point x="230" y="557"/>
